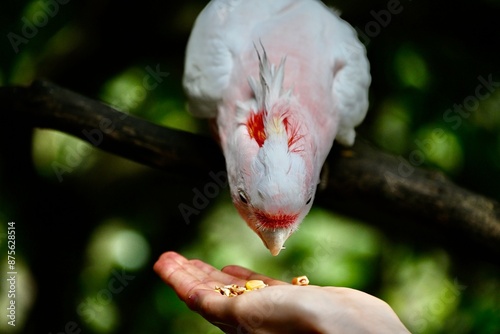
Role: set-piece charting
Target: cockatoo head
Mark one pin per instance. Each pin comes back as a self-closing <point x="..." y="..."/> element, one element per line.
<point x="274" y="174"/>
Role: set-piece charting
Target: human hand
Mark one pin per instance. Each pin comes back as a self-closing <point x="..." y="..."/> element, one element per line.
<point x="278" y="308"/>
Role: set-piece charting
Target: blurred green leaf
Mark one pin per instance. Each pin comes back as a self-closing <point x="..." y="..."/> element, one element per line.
<point x="411" y="68"/>
<point x="441" y="147"/>
<point x="393" y="122"/>
<point x="420" y="290"/>
<point x="126" y="91"/>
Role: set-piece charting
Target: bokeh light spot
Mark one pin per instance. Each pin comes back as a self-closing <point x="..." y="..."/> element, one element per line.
<point x="411" y="68"/>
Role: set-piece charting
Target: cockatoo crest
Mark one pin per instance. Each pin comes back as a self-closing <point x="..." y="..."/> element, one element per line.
<point x="269" y="113"/>
<point x="276" y="193"/>
<point x="276" y="126"/>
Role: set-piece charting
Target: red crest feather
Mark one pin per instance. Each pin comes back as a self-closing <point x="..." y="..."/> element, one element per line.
<point x="256" y="129"/>
<point x="292" y="131"/>
<point x="255" y="126"/>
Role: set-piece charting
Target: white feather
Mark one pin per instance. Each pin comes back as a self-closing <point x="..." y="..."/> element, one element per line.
<point x="288" y="58"/>
<point x="226" y="29"/>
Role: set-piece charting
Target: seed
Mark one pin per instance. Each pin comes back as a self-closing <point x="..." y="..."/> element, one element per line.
<point x="238" y="289"/>
<point x="232" y="290"/>
<point x="300" y="280"/>
<point x="255" y="284"/>
<point x="224" y="291"/>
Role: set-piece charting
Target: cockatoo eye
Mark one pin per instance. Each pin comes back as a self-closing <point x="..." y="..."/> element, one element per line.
<point x="243" y="196"/>
<point x="309" y="200"/>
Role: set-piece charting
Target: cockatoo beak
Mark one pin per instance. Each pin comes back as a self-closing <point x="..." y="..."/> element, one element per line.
<point x="274" y="239"/>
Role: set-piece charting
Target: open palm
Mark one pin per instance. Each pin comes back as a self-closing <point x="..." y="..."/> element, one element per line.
<point x="278" y="308"/>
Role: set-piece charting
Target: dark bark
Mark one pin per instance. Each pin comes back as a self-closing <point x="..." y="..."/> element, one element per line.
<point x="362" y="171"/>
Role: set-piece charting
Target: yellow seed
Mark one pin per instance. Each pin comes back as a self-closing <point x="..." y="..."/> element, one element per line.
<point x="255" y="284"/>
<point x="223" y="291"/>
<point x="238" y="289"/>
<point x="300" y="280"/>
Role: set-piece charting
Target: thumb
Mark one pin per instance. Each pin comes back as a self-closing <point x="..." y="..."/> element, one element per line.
<point x="248" y="274"/>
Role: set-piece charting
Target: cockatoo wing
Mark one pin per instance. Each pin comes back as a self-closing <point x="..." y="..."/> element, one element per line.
<point x="225" y="29"/>
<point x="208" y="63"/>
<point x="351" y="85"/>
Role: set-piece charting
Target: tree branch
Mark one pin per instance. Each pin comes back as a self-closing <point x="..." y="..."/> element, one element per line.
<point x="361" y="171"/>
<point x="46" y="105"/>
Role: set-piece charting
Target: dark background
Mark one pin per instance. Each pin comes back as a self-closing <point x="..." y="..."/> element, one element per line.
<point x="425" y="58"/>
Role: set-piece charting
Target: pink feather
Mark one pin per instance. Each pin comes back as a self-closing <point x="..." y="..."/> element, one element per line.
<point x="277" y="107"/>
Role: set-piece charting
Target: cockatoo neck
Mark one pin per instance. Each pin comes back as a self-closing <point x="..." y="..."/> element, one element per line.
<point x="282" y="176"/>
<point x="274" y="114"/>
<point x="274" y="181"/>
<point x="284" y="161"/>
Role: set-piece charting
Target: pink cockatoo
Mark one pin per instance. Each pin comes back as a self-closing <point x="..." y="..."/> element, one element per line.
<point x="282" y="79"/>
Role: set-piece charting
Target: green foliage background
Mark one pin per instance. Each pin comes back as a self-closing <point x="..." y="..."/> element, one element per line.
<point x="90" y="225"/>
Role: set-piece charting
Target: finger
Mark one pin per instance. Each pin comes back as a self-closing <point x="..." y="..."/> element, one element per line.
<point x="247" y="274"/>
<point x="167" y="264"/>
<point x="217" y="275"/>
<point x="182" y="275"/>
<point x="171" y="262"/>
